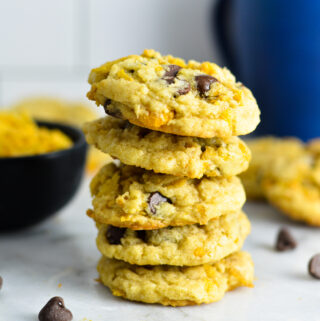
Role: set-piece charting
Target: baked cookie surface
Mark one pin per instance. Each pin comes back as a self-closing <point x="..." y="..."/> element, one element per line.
<point x="269" y="154"/>
<point x="167" y="94"/>
<point x="165" y="153"/>
<point x="128" y="196"/>
<point x="295" y="187"/>
<point x="183" y="245"/>
<point x="177" y="286"/>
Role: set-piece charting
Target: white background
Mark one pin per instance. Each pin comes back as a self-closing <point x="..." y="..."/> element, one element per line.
<point x="48" y="47"/>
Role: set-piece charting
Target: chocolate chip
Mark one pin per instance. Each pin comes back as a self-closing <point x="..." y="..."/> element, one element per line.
<point x="204" y="82"/>
<point x="142" y="235"/>
<point x="111" y="111"/>
<point x="171" y="73"/>
<point x="143" y="132"/>
<point x="1" y="282"/>
<point x="114" y="234"/>
<point x="155" y="199"/>
<point x="285" y="240"/>
<point x="107" y="102"/>
<point x="125" y="125"/>
<point x="184" y="90"/>
<point x="55" y="310"/>
<point x="314" y="266"/>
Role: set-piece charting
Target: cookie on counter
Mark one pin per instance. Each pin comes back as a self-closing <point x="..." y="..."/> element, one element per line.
<point x="268" y="154"/>
<point x="177" y="286"/>
<point x="128" y="196"/>
<point x="166" y="153"/>
<point x="167" y="94"/>
<point x="295" y="187"/>
<point x="183" y="245"/>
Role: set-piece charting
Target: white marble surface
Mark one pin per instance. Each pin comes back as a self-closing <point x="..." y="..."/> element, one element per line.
<point x="62" y="251"/>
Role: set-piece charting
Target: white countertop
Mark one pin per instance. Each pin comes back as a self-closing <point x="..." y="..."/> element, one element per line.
<point x="62" y="251"/>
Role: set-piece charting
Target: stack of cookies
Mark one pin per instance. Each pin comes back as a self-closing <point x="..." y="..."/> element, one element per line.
<point x="169" y="215"/>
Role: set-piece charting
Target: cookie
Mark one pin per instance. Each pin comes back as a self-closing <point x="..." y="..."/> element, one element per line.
<point x="184" y="245"/>
<point x="166" y="153"/>
<point x="128" y="196"/>
<point x="295" y="187"/>
<point x="268" y="154"/>
<point x="167" y="94"/>
<point x="177" y="286"/>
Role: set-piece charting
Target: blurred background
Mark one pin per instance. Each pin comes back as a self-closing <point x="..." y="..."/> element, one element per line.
<point x="49" y="47"/>
<point x="273" y="47"/>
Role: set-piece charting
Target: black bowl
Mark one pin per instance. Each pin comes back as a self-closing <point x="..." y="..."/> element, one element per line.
<point x="33" y="188"/>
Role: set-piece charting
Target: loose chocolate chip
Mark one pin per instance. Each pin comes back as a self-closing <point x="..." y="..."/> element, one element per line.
<point x="142" y="235"/>
<point x="171" y="73"/>
<point x="184" y="90"/>
<point x="204" y="82"/>
<point x="114" y="234"/>
<point x="314" y="266"/>
<point x="55" y="310"/>
<point x="1" y="282"/>
<point x="155" y="199"/>
<point x="285" y="241"/>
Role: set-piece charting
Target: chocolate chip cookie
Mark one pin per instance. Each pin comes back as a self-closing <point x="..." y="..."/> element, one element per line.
<point x="295" y="187"/>
<point x="128" y="196"/>
<point x="167" y="94"/>
<point x="269" y="154"/>
<point x="183" y="245"/>
<point x="165" y="153"/>
<point x="177" y="286"/>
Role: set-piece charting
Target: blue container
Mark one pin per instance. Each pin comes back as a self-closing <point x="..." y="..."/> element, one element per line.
<point x="273" y="46"/>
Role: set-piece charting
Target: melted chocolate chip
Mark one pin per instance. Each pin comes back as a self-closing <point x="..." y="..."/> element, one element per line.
<point x="114" y="234"/>
<point x="314" y="266"/>
<point x="55" y="310"/>
<point x="184" y="90"/>
<point x="155" y="199"/>
<point x="204" y="82"/>
<point x="171" y="73"/>
<point x="107" y="102"/>
<point x="143" y="132"/>
<point x="142" y="235"/>
<point x="285" y="241"/>
<point x="125" y="125"/>
<point x="111" y="111"/>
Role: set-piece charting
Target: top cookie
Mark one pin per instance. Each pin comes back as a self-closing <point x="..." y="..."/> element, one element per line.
<point x="167" y="94"/>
